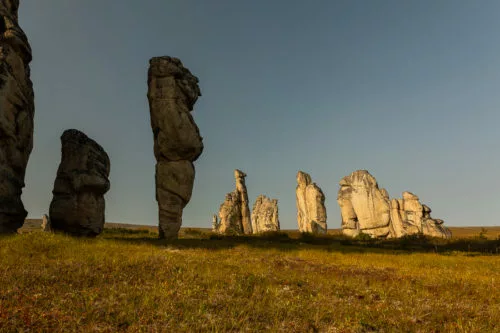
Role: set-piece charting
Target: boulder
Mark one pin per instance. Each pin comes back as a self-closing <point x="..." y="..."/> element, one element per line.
<point x="265" y="215"/>
<point x="172" y="93"/>
<point x="311" y="210"/>
<point x="16" y="116"/>
<point x="215" y="223"/>
<point x="77" y="206"/>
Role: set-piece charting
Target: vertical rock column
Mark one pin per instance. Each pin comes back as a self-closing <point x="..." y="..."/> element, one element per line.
<point x="311" y="210"/>
<point x="78" y="205"/>
<point x="241" y="188"/>
<point x="16" y="116"/>
<point x="172" y="93"/>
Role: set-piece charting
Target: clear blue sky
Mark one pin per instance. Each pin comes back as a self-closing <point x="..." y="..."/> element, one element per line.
<point x="408" y="90"/>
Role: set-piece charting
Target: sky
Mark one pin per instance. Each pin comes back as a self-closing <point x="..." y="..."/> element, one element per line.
<point x="405" y="89"/>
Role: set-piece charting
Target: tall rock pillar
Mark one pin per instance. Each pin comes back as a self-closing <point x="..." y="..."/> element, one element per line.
<point x="172" y="93"/>
<point x="16" y="116"/>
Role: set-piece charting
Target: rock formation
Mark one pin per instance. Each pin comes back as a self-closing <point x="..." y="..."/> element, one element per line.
<point x="241" y="188"/>
<point x="172" y="93"/>
<point x="46" y="223"/>
<point x="234" y="213"/>
<point x="409" y="216"/>
<point x="215" y="223"/>
<point x="16" y="116"/>
<point x="363" y="206"/>
<point x="311" y="211"/>
<point x="77" y="207"/>
<point x="265" y="215"/>
<point x="366" y="208"/>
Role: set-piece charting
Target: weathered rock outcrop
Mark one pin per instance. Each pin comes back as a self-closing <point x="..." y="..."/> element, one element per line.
<point x="172" y="93"/>
<point x="16" y="116"/>
<point x="409" y="216"/>
<point x="366" y="208"/>
<point x="265" y="215"/>
<point x="311" y="211"/>
<point x="241" y="188"/>
<point x="234" y="213"/>
<point x="215" y="223"/>
<point x="363" y="206"/>
<point x="46" y="223"/>
<point x="78" y="204"/>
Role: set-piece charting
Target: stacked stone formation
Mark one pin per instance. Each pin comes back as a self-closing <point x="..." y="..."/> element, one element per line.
<point x="367" y="209"/>
<point x="16" y="116"/>
<point x="172" y="93"/>
<point x="311" y="210"/>
<point x="265" y="215"/>
<point x="78" y="205"/>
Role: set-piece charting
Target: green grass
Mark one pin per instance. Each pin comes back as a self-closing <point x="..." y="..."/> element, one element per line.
<point x="130" y="281"/>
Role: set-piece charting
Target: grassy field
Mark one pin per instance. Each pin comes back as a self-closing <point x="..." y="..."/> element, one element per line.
<point x="127" y="280"/>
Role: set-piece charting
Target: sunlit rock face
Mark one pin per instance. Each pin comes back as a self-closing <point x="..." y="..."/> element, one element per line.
<point x="172" y="93"/>
<point x="367" y="209"/>
<point x="409" y="216"/>
<point x="234" y="213"/>
<point x="310" y="201"/>
<point x="265" y="215"/>
<point x="363" y="206"/>
<point x="78" y="205"/>
<point x="16" y="116"/>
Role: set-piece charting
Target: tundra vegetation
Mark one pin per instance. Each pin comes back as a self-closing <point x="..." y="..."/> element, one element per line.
<point x="129" y="280"/>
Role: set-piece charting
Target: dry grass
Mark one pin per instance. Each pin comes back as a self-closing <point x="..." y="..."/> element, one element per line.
<point x="127" y="280"/>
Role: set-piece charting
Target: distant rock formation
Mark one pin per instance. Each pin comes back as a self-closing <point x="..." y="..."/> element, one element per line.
<point x="234" y="213"/>
<point x="311" y="211"/>
<point x="366" y="208"/>
<point x="77" y="207"/>
<point x="265" y="215"/>
<point x="16" y="116"/>
<point x="363" y="206"/>
<point x="172" y="93"/>
<point x="215" y="223"/>
<point x="241" y="188"/>
<point x="46" y="223"/>
<point x="409" y="216"/>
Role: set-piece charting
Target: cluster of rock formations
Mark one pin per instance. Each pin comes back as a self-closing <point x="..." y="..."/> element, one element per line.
<point x="172" y="93"/>
<point x="365" y="208"/>
<point x="16" y="116"/>
<point x="77" y="207"/>
<point x="311" y="210"/>
<point x="78" y="204"/>
<point x="234" y="212"/>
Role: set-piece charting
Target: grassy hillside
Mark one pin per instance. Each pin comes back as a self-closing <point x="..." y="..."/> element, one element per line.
<point x="127" y="280"/>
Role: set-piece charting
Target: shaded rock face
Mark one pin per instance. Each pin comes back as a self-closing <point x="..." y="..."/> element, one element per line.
<point x="234" y="213"/>
<point x="16" y="116"/>
<point x="363" y="206"/>
<point x="265" y="215"/>
<point x="311" y="210"/>
<point x="366" y="208"/>
<point x="172" y="93"/>
<point x="77" y="207"/>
